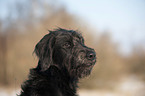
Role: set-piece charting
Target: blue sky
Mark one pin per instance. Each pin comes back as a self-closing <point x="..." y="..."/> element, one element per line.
<point x="125" y="19"/>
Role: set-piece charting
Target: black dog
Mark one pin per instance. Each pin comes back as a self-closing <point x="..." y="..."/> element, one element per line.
<point x="63" y="59"/>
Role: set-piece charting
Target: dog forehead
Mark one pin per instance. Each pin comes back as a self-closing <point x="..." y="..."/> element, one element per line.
<point x="70" y="34"/>
<point x="77" y="35"/>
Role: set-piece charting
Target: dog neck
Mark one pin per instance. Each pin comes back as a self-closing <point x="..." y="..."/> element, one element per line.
<point x="59" y="78"/>
<point x="60" y="75"/>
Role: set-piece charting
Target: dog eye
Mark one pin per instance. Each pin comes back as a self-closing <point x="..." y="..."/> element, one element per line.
<point x="67" y="44"/>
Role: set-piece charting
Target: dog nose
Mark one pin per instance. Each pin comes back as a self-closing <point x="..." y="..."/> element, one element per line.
<point x="91" y="55"/>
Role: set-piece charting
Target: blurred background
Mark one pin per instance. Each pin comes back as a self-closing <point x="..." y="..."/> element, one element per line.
<point x="114" y="28"/>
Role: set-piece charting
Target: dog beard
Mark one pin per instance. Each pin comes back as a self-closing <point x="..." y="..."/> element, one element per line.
<point x="83" y="71"/>
<point x="76" y="67"/>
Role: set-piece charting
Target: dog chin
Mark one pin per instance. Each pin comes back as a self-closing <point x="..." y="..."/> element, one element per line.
<point x="84" y="70"/>
<point x="85" y="73"/>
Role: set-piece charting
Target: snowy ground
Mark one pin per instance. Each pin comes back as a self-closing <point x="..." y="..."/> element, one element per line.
<point x="86" y="93"/>
<point x="127" y="87"/>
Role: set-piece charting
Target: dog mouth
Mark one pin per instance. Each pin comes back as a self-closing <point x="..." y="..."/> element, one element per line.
<point x="91" y="63"/>
<point x="88" y="64"/>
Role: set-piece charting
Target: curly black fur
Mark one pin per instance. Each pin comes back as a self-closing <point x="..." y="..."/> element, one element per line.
<point x="63" y="59"/>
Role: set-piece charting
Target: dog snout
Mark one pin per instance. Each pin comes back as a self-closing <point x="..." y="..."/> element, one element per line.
<point x="91" y="55"/>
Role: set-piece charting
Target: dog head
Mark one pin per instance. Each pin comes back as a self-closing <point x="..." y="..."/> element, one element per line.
<point x="65" y="49"/>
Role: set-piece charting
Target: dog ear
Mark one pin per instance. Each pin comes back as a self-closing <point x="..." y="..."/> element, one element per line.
<point x="43" y="50"/>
